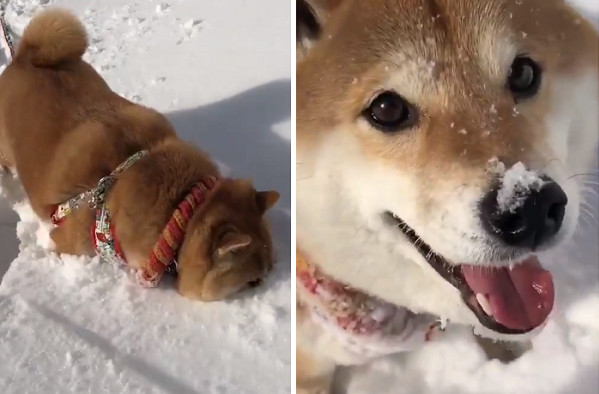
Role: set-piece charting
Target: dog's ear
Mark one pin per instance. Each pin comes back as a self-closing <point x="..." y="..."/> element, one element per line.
<point x="232" y="242"/>
<point x="267" y="199"/>
<point x="311" y="15"/>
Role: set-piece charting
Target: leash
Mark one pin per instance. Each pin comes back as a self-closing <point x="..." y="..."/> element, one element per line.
<point x="7" y="42"/>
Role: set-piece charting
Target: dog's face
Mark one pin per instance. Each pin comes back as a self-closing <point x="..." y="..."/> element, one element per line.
<point x="228" y="245"/>
<point x="449" y="135"/>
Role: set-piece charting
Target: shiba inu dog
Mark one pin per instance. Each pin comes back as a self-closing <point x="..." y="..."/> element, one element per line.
<point x="114" y="177"/>
<point x="438" y="148"/>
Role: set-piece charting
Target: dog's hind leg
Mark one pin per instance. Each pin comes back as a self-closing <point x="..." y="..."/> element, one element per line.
<point x="5" y="165"/>
<point x="73" y="236"/>
<point x="6" y="160"/>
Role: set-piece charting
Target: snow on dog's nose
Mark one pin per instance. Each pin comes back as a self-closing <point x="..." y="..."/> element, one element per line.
<point x="527" y="210"/>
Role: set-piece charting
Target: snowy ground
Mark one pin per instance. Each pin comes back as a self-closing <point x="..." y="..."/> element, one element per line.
<point x="565" y="357"/>
<point x="221" y="71"/>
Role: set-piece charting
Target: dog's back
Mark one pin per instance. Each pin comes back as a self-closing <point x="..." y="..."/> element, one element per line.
<point x="46" y="75"/>
<point x="53" y="106"/>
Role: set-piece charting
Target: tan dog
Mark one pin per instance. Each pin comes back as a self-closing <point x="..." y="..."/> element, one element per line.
<point x="62" y="129"/>
<point x="439" y="144"/>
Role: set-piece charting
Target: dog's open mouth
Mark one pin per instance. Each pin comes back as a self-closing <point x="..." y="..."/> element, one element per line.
<point x="506" y="300"/>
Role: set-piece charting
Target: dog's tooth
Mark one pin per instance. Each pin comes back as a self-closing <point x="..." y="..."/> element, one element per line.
<point x="484" y="303"/>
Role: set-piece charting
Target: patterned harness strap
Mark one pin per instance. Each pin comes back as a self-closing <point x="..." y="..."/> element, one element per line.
<point x="162" y="258"/>
<point x="94" y="197"/>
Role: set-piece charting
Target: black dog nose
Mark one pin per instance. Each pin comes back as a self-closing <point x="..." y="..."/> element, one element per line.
<point x="531" y="223"/>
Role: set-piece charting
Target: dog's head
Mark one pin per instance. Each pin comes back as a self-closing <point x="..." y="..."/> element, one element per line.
<point x="227" y="246"/>
<point x="439" y="148"/>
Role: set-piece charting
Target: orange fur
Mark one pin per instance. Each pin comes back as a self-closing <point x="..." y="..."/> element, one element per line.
<point x="63" y="129"/>
<point x="348" y="50"/>
<point x="55" y="37"/>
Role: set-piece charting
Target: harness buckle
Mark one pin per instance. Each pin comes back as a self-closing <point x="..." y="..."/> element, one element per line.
<point x="100" y="191"/>
<point x="173" y="267"/>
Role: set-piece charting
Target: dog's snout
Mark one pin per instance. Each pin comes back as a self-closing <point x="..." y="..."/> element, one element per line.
<point x="530" y="224"/>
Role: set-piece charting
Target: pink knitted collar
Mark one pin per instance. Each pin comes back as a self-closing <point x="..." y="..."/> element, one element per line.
<point x="368" y="326"/>
<point x="352" y="310"/>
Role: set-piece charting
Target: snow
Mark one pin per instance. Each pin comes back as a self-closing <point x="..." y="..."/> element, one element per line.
<point x="516" y="184"/>
<point x="496" y="167"/>
<point x="221" y="73"/>
<point x="565" y="356"/>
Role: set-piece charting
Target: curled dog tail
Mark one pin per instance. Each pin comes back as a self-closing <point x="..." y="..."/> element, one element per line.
<point x="53" y="37"/>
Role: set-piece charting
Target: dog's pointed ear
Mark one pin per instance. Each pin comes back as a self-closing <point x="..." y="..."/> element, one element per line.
<point x="310" y="18"/>
<point x="267" y="199"/>
<point x="232" y="242"/>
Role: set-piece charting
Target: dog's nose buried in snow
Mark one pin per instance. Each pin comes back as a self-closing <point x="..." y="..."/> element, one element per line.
<point x="116" y="179"/>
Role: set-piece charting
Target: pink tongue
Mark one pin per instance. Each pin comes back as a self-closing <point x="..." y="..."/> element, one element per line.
<point x="520" y="298"/>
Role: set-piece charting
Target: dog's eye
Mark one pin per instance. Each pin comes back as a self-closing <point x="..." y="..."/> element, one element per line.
<point x="524" y="79"/>
<point x="390" y="112"/>
<point x="255" y="283"/>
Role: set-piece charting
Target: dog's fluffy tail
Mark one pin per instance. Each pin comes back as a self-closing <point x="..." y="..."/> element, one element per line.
<point x="53" y="37"/>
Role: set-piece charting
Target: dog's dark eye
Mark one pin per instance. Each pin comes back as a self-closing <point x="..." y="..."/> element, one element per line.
<point x="255" y="283"/>
<point x="390" y="112"/>
<point x="525" y="78"/>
